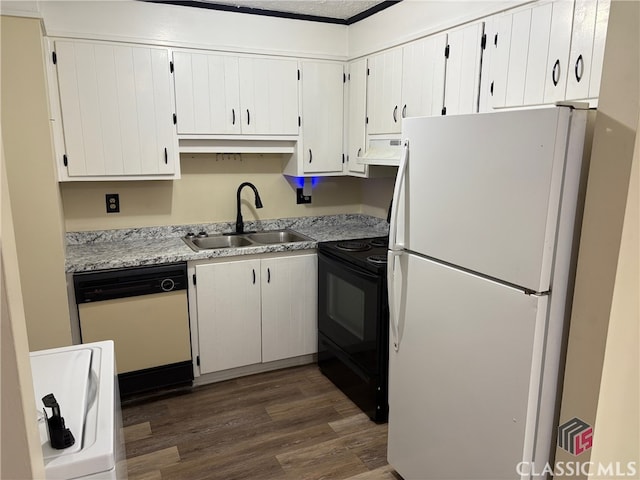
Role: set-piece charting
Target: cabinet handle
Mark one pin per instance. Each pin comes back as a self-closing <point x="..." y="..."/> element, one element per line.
<point x="254" y="275"/>
<point x="395" y="114"/>
<point x="233" y="116"/>
<point x="359" y="152"/>
<point x="310" y="156"/>
<point x="555" y="73"/>
<point x="248" y="117"/>
<point x="404" y="111"/>
<point x="166" y="156"/>
<point x="579" y="68"/>
<point x="268" y="275"/>
<point x="491" y="89"/>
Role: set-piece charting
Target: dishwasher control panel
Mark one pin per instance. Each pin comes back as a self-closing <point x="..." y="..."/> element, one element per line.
<point x="129" y="282"/>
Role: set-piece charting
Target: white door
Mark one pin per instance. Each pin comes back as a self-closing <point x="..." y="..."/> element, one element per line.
<point x="457" y="189"/>
<point x="322" y="116"/>
<point x="558" y="55"/>
<point x="384" y="85"/>
<point x="462" y="85"/>
<point x="356" y="128"/>
<point x="289" y="307"/>
<point x="207" y="93"/>
<point x="117" y="109"/>
<point x="268" y="96"/>
<point x="228" y="303"/>
<point x="460" y="381"/>
<point x="589" y="31"/>
<point x="423" y="65"/>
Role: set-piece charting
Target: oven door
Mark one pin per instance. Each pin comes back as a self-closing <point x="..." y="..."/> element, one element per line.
<point x="351" y="307"/>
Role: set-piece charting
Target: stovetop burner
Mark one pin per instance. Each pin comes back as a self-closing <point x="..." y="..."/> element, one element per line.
<point x="353" y="246"/>
<point x="377" y="259"/>
<point x="379" y="242"/>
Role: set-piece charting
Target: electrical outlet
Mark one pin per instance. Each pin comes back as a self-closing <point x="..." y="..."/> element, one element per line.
<point x="301" y="198"/>
<point x="113" y="202"/>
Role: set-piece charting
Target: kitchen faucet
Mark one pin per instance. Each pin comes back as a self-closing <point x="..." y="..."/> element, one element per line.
<point x="239" y="222"/>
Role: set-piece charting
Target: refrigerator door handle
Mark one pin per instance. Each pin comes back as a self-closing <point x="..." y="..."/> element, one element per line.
<point x="393" y="224"/>
<point x="391" y="287"/>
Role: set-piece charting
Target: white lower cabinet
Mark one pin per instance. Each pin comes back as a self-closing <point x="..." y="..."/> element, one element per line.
<point x="289" y="304"/>
<point x="255" y="310"/>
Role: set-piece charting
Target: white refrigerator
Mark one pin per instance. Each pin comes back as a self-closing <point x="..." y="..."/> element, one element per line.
<point x="482" y="251"/>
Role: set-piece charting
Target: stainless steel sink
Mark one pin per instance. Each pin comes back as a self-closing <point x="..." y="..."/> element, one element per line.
<point x="277" y="236"/>
<point x="267" y="237"/>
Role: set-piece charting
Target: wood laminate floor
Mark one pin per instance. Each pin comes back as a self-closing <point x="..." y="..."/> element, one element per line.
<point x="291" y="424"/>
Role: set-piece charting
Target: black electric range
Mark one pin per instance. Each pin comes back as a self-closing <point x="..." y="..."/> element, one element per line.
<point x="353" y="320"/>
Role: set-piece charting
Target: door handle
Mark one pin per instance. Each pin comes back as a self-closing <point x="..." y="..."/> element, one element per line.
<point x="391" y="293"/>
<point x="393" y="221"/>
<point x="555" y="73"/>
<point x="579" y="68"/>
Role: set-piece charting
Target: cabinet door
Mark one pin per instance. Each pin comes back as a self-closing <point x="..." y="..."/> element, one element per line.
<point x="268" y="96"/>
<point x="207" y="93"/>
<point x="597" y="56"/>
<point x="590" y="20"/>
<point x="462" y="84"/>
<point x="357" y="116"/>
<point x="500" y="43"/>
<point x="117" y="109"/>
<point x="558" y="55"/>
<point x="423" y="64"/>
<point x="228" y="303"/>
<point x="289" y="304"/>
<point x="322" y="116"/>
<point x="384" y="86"/>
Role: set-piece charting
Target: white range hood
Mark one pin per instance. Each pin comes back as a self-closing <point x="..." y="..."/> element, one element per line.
<point x="382" y="150"/>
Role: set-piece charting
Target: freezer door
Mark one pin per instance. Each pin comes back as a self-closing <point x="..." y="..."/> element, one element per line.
<point x="463" y="384"/>
<point x="484" y="191"/>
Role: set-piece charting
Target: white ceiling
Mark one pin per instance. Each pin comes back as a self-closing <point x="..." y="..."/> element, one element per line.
<point x="340" y="9"/>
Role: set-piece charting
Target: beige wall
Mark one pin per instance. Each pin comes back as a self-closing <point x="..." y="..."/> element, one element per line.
<point x="35" y="200"/>
<point x="596" y="284"/>
<point x="20" y="451"/>
<point x="618" y="418"/>
<point x="206" y="193"/>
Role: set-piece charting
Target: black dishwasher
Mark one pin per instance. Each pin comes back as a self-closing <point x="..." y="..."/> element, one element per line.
<point x="144" y="310"/>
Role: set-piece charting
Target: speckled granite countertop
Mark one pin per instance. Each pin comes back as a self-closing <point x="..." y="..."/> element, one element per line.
<point x="105" y="249"/>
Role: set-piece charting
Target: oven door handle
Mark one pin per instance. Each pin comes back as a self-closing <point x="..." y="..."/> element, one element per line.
<point x="391" y="289"/>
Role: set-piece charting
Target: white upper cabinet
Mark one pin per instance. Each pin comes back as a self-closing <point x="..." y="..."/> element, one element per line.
<point x="207" y="93"/>
<point x="268" y="96"/>
<point x="423" y="69"/>
<point x="590" y="19"/>
<point x="545" y="53"/>
<point x="462" y="85"/>
<point x="228" y="95"/>
<point x="322" y="117"/>
<point x="384" y="91"/>
<point x="357" y="114"/>
<point x="116" y="109"/>
<point x="406" y="82"/>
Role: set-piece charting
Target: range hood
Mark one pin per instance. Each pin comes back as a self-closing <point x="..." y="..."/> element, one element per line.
<point x="239" y="144"/>
<point x="382" y="150"/>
